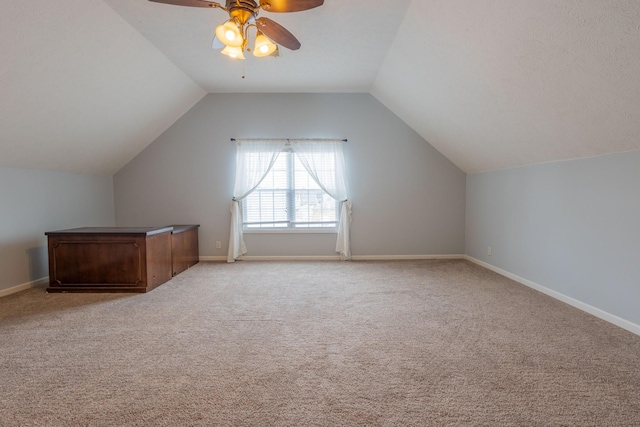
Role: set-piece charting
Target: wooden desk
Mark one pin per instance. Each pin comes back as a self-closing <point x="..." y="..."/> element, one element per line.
<point x="109" y="259"/>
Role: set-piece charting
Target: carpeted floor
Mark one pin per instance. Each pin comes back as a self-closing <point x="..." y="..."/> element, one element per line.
<point x="403" y="343"/>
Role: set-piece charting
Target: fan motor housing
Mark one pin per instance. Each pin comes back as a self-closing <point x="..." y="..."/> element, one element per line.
<point x="242" y="10"/>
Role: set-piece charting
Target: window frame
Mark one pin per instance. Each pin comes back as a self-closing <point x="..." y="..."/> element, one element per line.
<point x="291" y="191"/>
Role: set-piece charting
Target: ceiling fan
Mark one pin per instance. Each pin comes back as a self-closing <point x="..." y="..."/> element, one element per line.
<point x="232" y="36"/>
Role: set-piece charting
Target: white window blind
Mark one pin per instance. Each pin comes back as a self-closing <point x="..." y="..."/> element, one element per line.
<point x="289" y="198"/>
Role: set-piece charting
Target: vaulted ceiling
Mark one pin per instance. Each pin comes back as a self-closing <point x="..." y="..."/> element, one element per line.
<point x="85" y="85"/>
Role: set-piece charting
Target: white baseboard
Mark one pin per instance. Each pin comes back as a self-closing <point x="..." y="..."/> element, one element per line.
<point x="601" y="314"/>
<point x="337" y="258"/>
<point x="405" y="257"/>
<point x="212" y="258"/>
<point x="24" y="286"/>
<point x="290" y="258"/>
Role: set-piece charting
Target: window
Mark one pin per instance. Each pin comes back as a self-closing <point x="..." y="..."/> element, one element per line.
<point x="289" y="199"/>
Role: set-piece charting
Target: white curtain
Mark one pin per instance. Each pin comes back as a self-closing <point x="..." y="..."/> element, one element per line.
<point x="254" y="159"/>
<point x="324" y="160"/>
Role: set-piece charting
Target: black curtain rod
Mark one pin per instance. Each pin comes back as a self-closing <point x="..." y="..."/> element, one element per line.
<point x="305" y="139"/>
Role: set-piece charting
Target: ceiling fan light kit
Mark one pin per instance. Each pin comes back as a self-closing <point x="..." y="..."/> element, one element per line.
<point x="243" y="15"/>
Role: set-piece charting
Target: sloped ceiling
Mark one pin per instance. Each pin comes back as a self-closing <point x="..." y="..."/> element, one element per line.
<point x="86" y="84"/>
<point x="80" y="90"/>
<point x="501" y="83"/>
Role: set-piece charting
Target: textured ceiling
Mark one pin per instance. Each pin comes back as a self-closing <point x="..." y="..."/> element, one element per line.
<point x="503" y="83"/>
<point x="86" y="84"/>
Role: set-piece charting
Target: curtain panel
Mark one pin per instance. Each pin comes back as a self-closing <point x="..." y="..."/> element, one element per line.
<point x="254" y="159"/>
<point x="323" y="160"/>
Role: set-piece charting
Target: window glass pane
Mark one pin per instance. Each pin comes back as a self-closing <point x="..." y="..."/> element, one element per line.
<point x="266" y="206"/>
<point x="314" y="207"/>
<point x="302" y="177"/>
<point x="288" y="197"/>
<point x="277" y="177"/>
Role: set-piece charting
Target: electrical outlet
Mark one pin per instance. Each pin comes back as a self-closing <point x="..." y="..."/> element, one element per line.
<point x="218" y="244"/>
<point x="489" y="250"/>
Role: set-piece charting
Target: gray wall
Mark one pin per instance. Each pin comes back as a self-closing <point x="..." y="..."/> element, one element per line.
<point x="572" y="227"/>
<point x="407" y="198"/>
<point x="34" y="202"/>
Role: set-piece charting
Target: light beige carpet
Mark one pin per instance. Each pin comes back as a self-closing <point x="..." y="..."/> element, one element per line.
<point x="405" y="343"/>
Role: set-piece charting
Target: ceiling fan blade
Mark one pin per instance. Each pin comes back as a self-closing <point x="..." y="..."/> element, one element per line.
<point x="280" y="6"/>
<point x="277" y="33"/>
<point x="192" y="3"/>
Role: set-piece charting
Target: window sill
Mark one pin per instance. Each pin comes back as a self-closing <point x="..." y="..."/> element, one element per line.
<point x="284" y="231"/>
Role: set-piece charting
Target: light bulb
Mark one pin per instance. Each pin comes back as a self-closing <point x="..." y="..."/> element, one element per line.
<point x="230" y="34"/>
<point x="263" y="46"/>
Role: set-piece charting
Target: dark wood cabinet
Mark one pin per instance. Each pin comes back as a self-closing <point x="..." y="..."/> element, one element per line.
<point x="184" y="247"/>
<point x="119" y="259"/>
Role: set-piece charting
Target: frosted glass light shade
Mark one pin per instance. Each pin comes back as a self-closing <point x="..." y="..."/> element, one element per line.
<point x="229" y="34"/>
<point x="233" y="52"/>
<point x="263" y="46"/>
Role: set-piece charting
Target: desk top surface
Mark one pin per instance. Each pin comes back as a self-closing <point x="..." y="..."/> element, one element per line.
<point x="148" y="231"/>
<point x="184" y="227"/>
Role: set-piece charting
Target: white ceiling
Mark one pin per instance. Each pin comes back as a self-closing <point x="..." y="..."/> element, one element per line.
<point x="86" y="84"/>
<point x="80" y="90"/>
<point x="496" y="84"/>
<point x="344" y="43"/>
